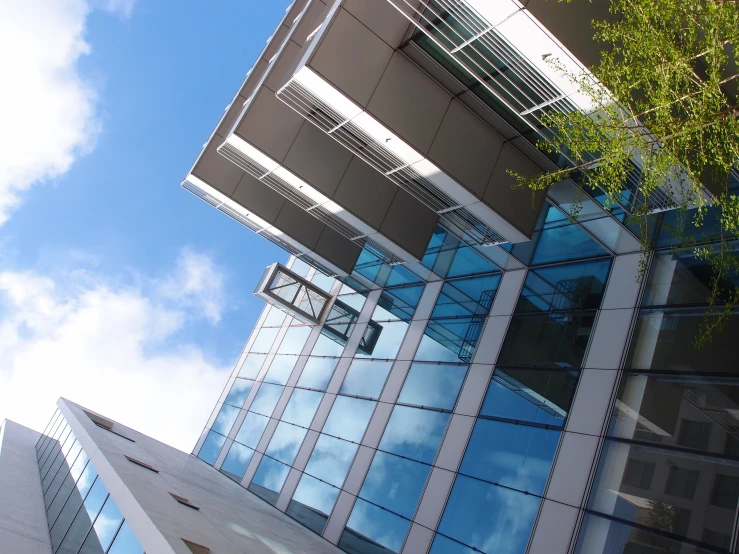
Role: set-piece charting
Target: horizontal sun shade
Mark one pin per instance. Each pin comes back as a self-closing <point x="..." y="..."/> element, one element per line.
<point x="316" y="100"/>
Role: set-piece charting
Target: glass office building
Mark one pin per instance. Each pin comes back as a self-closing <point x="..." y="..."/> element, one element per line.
<point x="447" y="365"/>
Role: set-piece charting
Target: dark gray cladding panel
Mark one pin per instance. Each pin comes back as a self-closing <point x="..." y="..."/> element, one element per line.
<point x="352" y="57"/>
<point x="216" y="170"/>
<point x="299" y="224"/>
<point x="337" y="249"/>
<point x="259" y="198"/>
<point x="466" y="148"/>
<point x="513" y="204"/>
<point x="270" y="125"/>
<point x="318" y="159"/>
<point x="381" y="18"/>
<point x="365" y="192"/>
<point x="570" y="23"/>
<point x="409" y="224"/>
<point x="410" y="102"/>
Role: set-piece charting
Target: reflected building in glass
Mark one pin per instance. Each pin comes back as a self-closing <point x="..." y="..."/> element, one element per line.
<point x="89" y="485"/>
<point x="446" y="364"/>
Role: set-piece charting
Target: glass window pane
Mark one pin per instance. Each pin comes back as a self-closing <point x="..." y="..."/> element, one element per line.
<point x="633" y="483"/>
<point x="414" y="433"/>
<point x="445" y="545"/>
<point x="251" y="429"/>
<point x="331" y="459"/>
<point x="286" y="442"/>
<point x="395" y="483"/>
<point x="73" y="503"/>
<point x="663" y="340"/>
<point x="435" y="385"/>
<point x="326" y="346"/>
<point x="555" y="339"/>
<point x="211" y="447"/>
<point x="472" y="296"/>
<point x="266" y="399"/>
<point x="104" y="529"/>
<point x="312" y="503"/>
<point x="369" y="525"/>
<point x="434" y="349"/>
<point x="274" y="318"/>
<point x="535" y="395"/>
<point x="366" y="378"/>
<point x="264" y="340"/>
<point x="515" y="456"/>
<point x="299" y="267"/>
<point x="317" y="373"/>
<point x="302" y="407"/>
<point x="61" y="497"/>
<point x="251" y="366"/>
<point x="678" y="410"/>
<point x="225" y="419"/>
<point x="322" y="281"/>
<point x="268" y="479"/>
<point x="389" y="341"/>
<point x="236" y="461"/>
<point x="489" y="518"/>
<point x="125" y="542"/>
<point x="239" y="391"/>
<point x="280" y="369"/>
<point x="294" y="340"/>
<point x="398" y="303"/>
<point x="599" y="535"/>
<point x="349" y="418"/>
<point x="578" y="286"/>
<point x="355" y="300"/>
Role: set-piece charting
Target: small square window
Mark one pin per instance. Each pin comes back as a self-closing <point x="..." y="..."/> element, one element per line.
<point x="184" y="501"/>
<point x="142" y="464"/>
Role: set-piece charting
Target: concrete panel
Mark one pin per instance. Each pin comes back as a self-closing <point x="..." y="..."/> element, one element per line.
<point x="351" y="57"/>
<point x="409" y="223"/>
<point x="410" y="102"/>
<point x="491" y="339"/>
<point x="276" y="40"/>
<point x="418" y="540"/>
<point x="571" y="471"/>
<point x="434" y="497"/>
<point x="339" y="517"/>
<point x="312" y="18"/>
<point x="359" y="469"/>
<point x="318" y="159"/>
<point x="484" y="112"/>
<point x="23" y="526"/>
<point x="592" y="399"/>
<point x="365" y="192"/>
<point x="455" y="442"/>
<point x="513" y="204"/>
<point x="474" y="389"/>
<point x="232" y="114"/>
<point x="609" y="338"/>
<point x="376" y="426"/>
<point x="554" y="529"/>
<point x="217" y="171"/>
<point x="381" y="18"/>
<point x="466" y="148"/>
<point x="257" y="197"/>
<point x="270" y="125"/>
<point x="623" y="288"/>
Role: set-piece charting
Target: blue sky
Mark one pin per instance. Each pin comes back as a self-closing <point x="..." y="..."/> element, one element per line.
<point x="114" y="281"/>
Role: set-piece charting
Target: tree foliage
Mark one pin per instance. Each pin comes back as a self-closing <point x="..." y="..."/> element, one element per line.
<point x="662" y="99"/>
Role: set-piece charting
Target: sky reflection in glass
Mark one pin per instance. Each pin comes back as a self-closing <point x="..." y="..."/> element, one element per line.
<point x="237" y="459"/>
<point x="317" y="373"/>
<point x="349" y="418"/>
<point x="395" y="483"/>
<point x="280" y="369"/>
<point x="376" y="524"/>
<point x="302" y="407"/>
<point x="251" y="366"/>
<point x="435" y="385"/>
<point x="366" y="378"/>
<point x="239" y="391"/>
<point x="294" y="340"/>
<point x="225" y="419"/>
<point x="251" y="429"/>
<point x="414" y="433"/>
<point x="266" y="399"/>
<point x="286" y="442"/>
<point x="331" y="459"/>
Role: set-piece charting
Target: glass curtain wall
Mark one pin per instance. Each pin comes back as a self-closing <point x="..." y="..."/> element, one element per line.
<point x="82" y="516"/>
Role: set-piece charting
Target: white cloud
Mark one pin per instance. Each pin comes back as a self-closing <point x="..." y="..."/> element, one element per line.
<point x="197" y="284"/>
<point x="106" y="346"/>
<point x="49" y="111"/>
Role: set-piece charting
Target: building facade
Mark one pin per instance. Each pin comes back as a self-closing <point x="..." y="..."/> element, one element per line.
<point x="449" y="365"/>
<point x="89" y="485"/>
